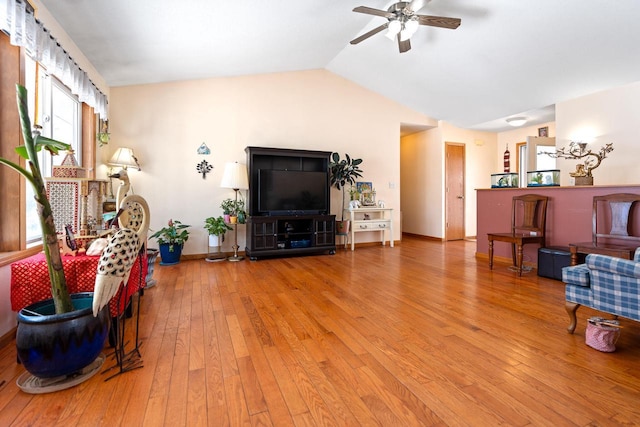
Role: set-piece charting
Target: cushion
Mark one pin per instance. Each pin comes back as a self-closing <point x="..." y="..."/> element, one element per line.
<point x="614" y="265"/>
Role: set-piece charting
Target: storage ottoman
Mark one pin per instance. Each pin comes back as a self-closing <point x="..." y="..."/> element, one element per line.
<point x="551" y="260"/>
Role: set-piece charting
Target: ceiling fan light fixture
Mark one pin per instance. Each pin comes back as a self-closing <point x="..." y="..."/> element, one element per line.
<point x="516" y="121"/>
<point x="393" y="29"/>
<point x="409" y="28"/>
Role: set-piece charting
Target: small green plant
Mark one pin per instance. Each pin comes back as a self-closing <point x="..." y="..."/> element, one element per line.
<point x="228" y="206"/>
<point x="231" y="207"/>
<point x="216" y="226"/>
<point x="175" y="233"/>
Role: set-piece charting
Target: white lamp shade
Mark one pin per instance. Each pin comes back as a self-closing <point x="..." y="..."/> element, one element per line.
<point x="235" y="176"/>
<point x="124" y="157"/>
<point x="410" y="27"/>
<point x="393" y="29"/>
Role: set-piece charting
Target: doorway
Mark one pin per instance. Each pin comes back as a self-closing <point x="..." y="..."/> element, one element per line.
<point x="454" y="191"/>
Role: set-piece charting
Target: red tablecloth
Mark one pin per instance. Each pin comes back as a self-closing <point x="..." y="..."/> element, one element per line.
<point x="30" y="279"/>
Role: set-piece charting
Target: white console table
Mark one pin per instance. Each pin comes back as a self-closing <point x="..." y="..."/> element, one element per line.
<point x="380" y="219"/>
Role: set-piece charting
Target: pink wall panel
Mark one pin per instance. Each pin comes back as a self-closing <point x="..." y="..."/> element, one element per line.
<point x="569" y="215"/>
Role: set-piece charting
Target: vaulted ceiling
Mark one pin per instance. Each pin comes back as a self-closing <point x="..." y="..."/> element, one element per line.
<point x="507" y="58"/>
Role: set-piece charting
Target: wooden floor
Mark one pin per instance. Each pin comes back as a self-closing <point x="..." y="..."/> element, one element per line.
<point x="419" y="334"/>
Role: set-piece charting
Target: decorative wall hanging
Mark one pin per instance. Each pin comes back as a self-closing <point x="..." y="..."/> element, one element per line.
<point x="203" y="149"/>
<point x="204" y="168"/>
<point x="507" y="157"/>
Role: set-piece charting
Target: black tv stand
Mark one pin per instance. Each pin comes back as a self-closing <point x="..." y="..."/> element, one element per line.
<point x="278" y="234"/>
<point x="290" y="235"/>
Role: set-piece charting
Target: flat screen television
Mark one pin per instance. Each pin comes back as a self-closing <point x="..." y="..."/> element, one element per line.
<point x="292" y="192"/>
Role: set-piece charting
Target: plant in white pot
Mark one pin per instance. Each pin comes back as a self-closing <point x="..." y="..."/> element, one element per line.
<point x="216" y="227"/>
<point x="56" y="337"/>
<point x="343" y="172"/>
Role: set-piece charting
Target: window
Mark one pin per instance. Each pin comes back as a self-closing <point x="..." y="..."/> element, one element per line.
<point x="59" y="114"/>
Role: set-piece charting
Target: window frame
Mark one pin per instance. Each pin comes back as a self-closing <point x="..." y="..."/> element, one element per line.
<point x="13" y="245"/>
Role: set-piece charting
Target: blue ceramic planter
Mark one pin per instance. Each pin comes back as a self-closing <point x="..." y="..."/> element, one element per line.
<point x="170" y="254"/>
<point x="51" y="345"/>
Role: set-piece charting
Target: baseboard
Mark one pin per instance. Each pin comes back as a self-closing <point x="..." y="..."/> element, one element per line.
<point x="7" y="338"/>
<point x="422" y="237"/>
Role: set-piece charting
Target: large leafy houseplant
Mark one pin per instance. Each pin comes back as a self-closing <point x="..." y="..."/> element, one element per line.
<point x="34" y="143"/>
<point x="344" y="172"/>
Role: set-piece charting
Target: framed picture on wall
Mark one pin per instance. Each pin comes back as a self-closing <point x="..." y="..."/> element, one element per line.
<point x="364" y="187"/>
<point x="543" y="131"/>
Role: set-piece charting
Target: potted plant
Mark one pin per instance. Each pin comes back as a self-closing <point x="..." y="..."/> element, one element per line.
<point x="60" y="336"/>
<point x="228" y="207"/>
<point x="216" y="227"/>
<point x="240" y="213"/>
<point x="171" y="240"/>
<point x="343" y="172"/>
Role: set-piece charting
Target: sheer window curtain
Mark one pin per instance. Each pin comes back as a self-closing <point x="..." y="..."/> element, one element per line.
<point x="24" y="30"/>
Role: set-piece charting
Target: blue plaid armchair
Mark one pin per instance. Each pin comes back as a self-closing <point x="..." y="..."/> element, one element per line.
<point x="604" y="283"/>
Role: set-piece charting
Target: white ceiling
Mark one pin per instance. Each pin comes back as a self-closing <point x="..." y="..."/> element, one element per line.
<point x="507" y="58"/>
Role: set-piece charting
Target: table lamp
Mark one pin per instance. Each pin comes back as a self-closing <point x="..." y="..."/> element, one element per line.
<point x="235" y="177"/>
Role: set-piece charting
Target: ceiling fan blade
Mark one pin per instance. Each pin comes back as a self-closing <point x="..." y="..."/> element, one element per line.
<point x="372" y="11"/>
<point x="439" y="21"/>
<point x="369" y="33"/>
<point x="403" y="45"/>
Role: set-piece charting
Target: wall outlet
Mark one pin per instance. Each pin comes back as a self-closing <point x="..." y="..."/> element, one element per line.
<point x="533" y="233"/>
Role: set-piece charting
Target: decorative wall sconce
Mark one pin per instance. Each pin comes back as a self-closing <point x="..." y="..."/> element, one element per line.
<point x="578" y="150"/>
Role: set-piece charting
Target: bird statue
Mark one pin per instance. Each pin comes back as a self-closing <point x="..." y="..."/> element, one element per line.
<point x="117" y="258"/>
<point x="123" y="189"/>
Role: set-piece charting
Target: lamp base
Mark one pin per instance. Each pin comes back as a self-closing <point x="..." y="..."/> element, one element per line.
<point x="235" y="258"/>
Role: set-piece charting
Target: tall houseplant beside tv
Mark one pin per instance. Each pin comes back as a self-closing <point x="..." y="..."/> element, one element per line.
<point x="57" y="337"/>
<point x="344" y="172"/>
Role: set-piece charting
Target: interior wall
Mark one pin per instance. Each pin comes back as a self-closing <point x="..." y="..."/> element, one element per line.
<point x="316" y="110"/>
<point x="511" y="138"/>
<point x="479" y="164"/>
<point x="609" y="116"/>
<point x="421" y="182"/>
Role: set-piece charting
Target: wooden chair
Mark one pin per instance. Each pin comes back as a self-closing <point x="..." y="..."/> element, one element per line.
<point x="611" y="228"/>
<point x="528" y="224"/>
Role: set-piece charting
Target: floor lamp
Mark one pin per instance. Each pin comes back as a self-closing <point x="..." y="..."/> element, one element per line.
<point x="235" y="177"/>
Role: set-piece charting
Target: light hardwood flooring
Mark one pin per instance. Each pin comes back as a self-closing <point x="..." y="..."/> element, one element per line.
<point x="419" y="334"/>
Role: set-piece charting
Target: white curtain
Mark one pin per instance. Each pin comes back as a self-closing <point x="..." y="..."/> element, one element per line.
<point x="24" y="30"/>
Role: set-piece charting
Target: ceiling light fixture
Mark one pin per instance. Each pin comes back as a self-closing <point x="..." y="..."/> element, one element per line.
<point x="516" y="121"/>
<point x="409" y="28"/>
<point x="393" y="29"/>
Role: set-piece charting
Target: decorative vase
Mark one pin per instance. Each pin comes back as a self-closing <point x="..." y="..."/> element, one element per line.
<point x="53" y="345"/>
<point x="170" y="253"/>
<point x="233" y="220"/>
<point x="584" y="180"/>
<point x="227" y="218"/>
<point x="242" y="217"/>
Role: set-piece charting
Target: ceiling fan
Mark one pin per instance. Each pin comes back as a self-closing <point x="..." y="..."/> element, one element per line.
<point x="403" y="21"/>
